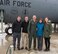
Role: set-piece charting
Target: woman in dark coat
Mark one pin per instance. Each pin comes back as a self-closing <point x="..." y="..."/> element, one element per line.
<point x="47" y="33"/>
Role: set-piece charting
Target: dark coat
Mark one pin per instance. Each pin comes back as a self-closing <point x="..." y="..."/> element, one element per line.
<point x="25" y="26"/>
<point x="47" y="30"/>
<point x="16" y="27"/>
<point x="32" y="28"/>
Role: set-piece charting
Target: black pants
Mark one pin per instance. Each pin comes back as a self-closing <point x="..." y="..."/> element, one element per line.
<point x="40" y="42"/>
<point x="47" y="43"/>
<point x="30" y="42"/>
<point x="16" y="36"/>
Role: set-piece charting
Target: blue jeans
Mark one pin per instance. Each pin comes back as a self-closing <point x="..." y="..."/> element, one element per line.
<point x="40" y="42"/>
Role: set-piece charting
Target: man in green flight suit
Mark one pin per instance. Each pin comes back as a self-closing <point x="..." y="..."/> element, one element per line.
<point x="32" y="31"/>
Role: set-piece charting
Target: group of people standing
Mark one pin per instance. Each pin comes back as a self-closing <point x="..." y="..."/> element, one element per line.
<point x="32" y="29"/>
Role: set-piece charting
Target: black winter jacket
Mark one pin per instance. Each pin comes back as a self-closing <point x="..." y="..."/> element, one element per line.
<point x="16" y="27"/>
<point x="25" y="26"/>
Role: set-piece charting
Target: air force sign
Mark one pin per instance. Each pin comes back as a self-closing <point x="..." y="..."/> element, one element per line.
<point x="15" y="3"/>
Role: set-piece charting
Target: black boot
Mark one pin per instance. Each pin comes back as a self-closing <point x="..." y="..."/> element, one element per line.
<point x="14" y="49"/>
<point x="26" y="48"/>
<point x="18" y="48"/>
<point x="45" y="50"/>
<point x="48" y="49"/>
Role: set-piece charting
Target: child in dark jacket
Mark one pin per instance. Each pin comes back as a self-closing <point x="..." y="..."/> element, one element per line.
<point x="39" y="32"/>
